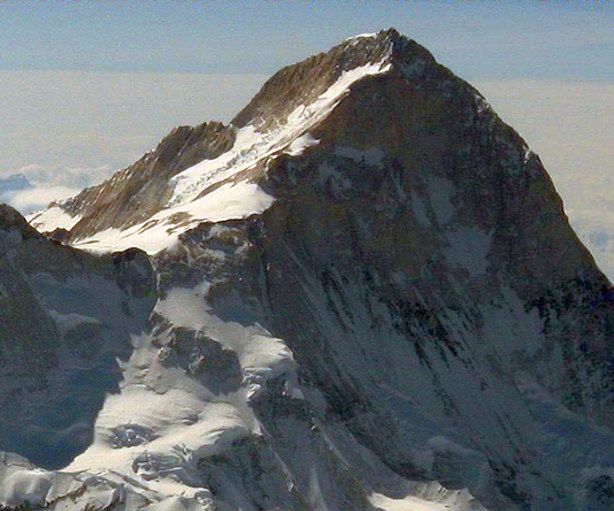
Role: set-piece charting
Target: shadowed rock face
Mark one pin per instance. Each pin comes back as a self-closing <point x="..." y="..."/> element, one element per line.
<point x="65" y="318"/>
<point x="412" y="310"/>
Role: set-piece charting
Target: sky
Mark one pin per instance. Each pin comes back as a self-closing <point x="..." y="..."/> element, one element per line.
<point x="557" y="40"/>
<point x="87" y="87"/>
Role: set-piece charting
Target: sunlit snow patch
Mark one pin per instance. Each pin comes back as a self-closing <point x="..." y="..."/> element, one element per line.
<point x="53" y="218"/>
<point x="300" y="144"/>
<point x="231" y="201"/>
<point x="429" y="496"/>
<point x="361" y="36"/>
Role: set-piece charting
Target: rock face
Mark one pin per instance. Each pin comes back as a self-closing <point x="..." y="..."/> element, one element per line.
<point x="368" y="297"/>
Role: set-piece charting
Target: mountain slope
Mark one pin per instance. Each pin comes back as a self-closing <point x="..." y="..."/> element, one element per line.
<point x="366" y="289"/>
<point x="65" y="317"/>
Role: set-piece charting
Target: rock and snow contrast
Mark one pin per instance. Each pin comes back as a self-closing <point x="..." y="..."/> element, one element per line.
<point x="362" y="294"/>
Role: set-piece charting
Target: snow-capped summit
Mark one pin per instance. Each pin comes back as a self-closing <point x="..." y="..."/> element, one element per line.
<point x="368" y="297"/>
<point x="141" y="204"/>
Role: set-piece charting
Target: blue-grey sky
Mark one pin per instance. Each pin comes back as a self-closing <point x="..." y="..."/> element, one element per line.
<point x="478" y="40"/>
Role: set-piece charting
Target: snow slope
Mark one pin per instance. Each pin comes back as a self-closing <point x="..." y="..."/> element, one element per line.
<point x="228" y="202"/>
<point x="54" y="217"/>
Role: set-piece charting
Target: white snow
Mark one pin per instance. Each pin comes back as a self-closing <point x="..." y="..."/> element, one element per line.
<point x="20" y="480"/>
<point x="261" y="356"/>
<point x="179" y="420"/>
<point x="428" y="497"/>
<point x="187" y="208"/>
<point x="164" y="420"/>
<point x="177" y="417"/>
<point x="265" y="357"/>
<point x="176" y="504"/>
<point x="230" y="201"/>
<point x="185" y="307"/>
<point x="252" y="146"/>
<point x="191" y="182"/>
<point x="53" y="218"/>
<point x="407" y="503"/>
<point x="361" y="36"/>
<point x="301" y="143"/>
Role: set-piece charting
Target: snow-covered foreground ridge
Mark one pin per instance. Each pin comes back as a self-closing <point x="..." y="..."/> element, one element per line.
<point x="362" y="294"/>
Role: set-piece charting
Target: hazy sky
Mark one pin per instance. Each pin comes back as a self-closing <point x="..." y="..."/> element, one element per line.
<point x="557" y="40"/>
<point x="86" y="88"/>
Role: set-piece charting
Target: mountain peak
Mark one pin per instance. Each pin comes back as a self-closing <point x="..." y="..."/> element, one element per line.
<point x="366" y="284"/>
<point x="370" y="92"/>
<point x="163" y="194"/>
<point x="302" y="83"/>
<point x="14" y="183"/>
<point x="191" y="162"/>
<point x="390" y="39"/>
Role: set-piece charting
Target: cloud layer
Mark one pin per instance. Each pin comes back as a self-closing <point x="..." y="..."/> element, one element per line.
<point x="48" y="184"/>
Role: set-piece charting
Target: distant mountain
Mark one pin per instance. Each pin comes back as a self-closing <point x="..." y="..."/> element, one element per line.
<point x="13" y="183"/>
<point x="367" y="297"/>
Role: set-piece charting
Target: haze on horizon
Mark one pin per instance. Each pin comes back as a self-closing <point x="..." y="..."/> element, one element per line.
<point x="86" y="88"/>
